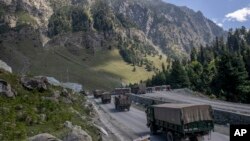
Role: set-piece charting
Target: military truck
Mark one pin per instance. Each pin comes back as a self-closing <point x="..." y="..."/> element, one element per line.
<point x="180" y="121"/>
<point x="97" y="93"/>
<point x="122" y="102"/>
<point x="139" y="88"/>
<point x="106" y="97"/>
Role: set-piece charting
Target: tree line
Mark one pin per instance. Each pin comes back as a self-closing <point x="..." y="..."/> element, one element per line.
<point x="219" y="70"/>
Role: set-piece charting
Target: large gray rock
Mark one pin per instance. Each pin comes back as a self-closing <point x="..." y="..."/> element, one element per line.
<point x="5" y="89"/>
<point x="53" y="81"/>
<point x="34" y="83"/>
<point x="5" y="67"/>
<point x="43" y="137"/>
<point x="73" y="86"/>
<point x="76" y="133"/>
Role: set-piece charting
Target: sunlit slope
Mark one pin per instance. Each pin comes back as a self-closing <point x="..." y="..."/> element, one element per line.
<point x="103" y="69"/>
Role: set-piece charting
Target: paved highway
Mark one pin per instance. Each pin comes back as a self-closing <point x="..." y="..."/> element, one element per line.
<point x="135" y="121"/>
<point x="216" y="104"/>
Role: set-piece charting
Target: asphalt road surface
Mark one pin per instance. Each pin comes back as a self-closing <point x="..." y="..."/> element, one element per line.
<point x="187" y="98"/>
<point x="135" y="121"/>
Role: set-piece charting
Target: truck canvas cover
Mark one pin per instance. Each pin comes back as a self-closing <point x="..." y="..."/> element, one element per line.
<point x="123" y="100"/>
<point x="106" y="95"/>
<point x="188" y="113"/>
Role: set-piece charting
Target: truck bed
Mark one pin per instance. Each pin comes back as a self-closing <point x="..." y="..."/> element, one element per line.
<point x="182" y="113"/>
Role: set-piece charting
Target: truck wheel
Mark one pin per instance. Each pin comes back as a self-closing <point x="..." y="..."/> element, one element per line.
<point x="170" y="136"/>
<point x="195" y="138"/>
<point x="153" y="129"/>
<point x="128" y="108"/>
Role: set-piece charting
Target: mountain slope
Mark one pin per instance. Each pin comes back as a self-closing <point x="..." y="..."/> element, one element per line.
<point x="82" y="40"/>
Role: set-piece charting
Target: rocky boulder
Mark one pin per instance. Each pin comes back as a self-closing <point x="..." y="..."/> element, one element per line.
<point x="5" y="67"/>
<point x="76" y="133"/>
<point x="39" y="83"/>
<point x="43" y="137"/>
<point x="5" y="89"/>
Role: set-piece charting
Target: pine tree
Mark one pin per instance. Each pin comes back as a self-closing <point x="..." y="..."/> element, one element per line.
<point x="194" y="71"/>
<point x="193" y="55"/>
<point x="232" y="78"/>
<point x="179" y="77"/>
<point x="202" y="55"/>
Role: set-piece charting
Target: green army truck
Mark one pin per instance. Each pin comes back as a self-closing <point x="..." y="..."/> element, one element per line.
<point x="180" y="121"/>
<point x="106" y="97"/>
<point x="122" y="102"/>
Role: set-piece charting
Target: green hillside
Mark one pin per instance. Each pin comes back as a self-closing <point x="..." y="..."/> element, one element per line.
<point x="104" y="69"/>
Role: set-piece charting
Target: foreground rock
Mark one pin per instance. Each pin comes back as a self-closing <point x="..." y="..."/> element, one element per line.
<point x="5" y="67"/>
<point x="76" y="133"/>
<point x="73" y="86"/>
<point x="43" y="137"/>
<point x="38" y="83"/>
<point x="5" y="89"/>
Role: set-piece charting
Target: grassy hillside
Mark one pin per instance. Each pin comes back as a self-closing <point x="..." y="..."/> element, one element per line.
<point x="21" y="116"/>
<point x="104" y="69"/>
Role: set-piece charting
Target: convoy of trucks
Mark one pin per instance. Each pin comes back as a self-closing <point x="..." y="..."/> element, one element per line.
<point x="180" y="121"/>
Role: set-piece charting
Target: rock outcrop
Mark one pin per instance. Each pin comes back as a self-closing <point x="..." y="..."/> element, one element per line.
<point x="43" y="137"/>
<point x="76" y="133"/>
<point x="174" y="29"/>
<point x="5" y="89"/>
<point x="39" y="84"/>
<point x="5" y="67"/>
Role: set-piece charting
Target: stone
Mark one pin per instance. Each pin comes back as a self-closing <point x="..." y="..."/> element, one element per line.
<point x="76" y="133"/>
<point x="5" y="89"/>
<point x="56" y="94"/>
<point x="53" y="81"/>
<point x="39" y="84"/>
<point x="65" y="93"/>
<point x="5" y="67"/>
<point x="43" y="137"/>
<point x="73" y="86"/>
<point x="68" y="124"/>
<point x="42" y="117"/>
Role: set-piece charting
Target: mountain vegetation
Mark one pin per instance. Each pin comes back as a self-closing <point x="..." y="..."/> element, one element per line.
<point x="31" y="112"/>
<point x="220" y="70"/>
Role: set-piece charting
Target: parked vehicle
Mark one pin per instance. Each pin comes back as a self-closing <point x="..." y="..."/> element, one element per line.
<point x="180" y="121"/>
<point x="122" y="102"/>
<point x="106" y="97"/>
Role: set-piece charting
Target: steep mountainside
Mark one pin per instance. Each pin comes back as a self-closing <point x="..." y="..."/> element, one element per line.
<point x="79" y="32"/>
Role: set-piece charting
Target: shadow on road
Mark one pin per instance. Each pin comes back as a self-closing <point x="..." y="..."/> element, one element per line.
<point x="113" y="110"/>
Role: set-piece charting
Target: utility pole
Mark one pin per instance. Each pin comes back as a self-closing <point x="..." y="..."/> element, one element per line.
<point x="67" y="74"/>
